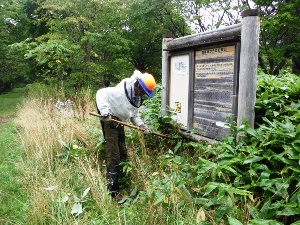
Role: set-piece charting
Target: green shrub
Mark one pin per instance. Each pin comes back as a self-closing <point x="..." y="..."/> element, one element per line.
<point x="253" y="180"/>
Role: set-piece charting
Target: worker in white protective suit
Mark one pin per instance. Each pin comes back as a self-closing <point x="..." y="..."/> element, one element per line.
<point x="121" y="102"/>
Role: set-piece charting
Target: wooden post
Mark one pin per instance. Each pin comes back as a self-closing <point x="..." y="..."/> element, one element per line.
<point x="164" y="79"/>
<point x="248" y="66"/>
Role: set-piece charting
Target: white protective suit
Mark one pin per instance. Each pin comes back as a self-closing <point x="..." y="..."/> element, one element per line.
<point x="113" y="100"/>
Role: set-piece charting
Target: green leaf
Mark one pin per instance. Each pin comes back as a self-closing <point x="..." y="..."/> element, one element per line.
<point x="178" y="145"/>
<point x="233" y="190"/>
<point x="288" y="126"/>
<point x="220" y="212"/>
<point x="298" y="128"/>
<point x="295" y="198"/>
<point x="253" y="212"/>
<point x="186" y="191"/>
<point x="265" y="208"/>
<point x="160" y="198"/>
<point x="171" y="152"/>
<point x="210" y="188"/>
<point x="275" y="113"/>
<point x="62" y="142"/>
<point x="200" y="201"/>
<point x="233" y="221"/>
<point x="229" y="147"/>
<point x="295" y="169"/>
<point x="77" y="209"/>
<point x="288" y="211"/>
<point x="221" y="193"/>
<point x="253" y="159"/>
<point x="264" y="96"/>
<point x="230" y="169"/>
<point x="251" y="131"/>
<point x="296" y="145"/>
<point x="133" y="192"/>
<point x="86" y="191"/>
<point x="282" y="157"/>
<point x="265" y="175"/>
<point x="51" y="188"/>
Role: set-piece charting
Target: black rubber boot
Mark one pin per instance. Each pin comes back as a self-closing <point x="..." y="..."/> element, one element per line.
<point x="112" y="181"/>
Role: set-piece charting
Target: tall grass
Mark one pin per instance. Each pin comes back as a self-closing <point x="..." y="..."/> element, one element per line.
<point x="44" y="129"/>
<point x="64" y="160"/>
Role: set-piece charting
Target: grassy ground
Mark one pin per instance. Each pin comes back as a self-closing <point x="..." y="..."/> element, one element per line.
<point x="12" y="198"/>
<point x="10" y="101"/>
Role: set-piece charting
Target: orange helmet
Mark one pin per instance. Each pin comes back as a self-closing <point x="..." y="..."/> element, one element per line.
<point x="148" y="83"/>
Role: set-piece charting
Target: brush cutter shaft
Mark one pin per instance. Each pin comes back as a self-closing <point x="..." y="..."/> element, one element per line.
<point x="134" y="127"/>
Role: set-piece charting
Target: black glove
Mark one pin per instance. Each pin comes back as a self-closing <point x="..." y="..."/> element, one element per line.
<point x="106" y="118"/>
<point x="145" y="129"/>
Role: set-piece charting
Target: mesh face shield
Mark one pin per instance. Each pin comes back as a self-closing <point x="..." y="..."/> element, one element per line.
<point x="132" y="97"/>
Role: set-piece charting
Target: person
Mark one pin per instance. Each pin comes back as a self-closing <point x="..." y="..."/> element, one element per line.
<point x="122" y="103"/>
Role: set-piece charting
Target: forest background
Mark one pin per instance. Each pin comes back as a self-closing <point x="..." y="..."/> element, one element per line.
<point x="90" y="43"/>
<point x="58" y="53"/>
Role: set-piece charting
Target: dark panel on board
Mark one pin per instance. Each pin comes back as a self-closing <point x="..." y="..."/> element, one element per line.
<point x="213" y="90"/>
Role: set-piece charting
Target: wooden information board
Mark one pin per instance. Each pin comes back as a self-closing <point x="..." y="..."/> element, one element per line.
<point x="214" y="90"/>
<point x="219" y="85"/>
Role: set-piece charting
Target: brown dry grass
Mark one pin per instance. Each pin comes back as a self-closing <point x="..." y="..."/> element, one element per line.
<point x="41" y="126"/>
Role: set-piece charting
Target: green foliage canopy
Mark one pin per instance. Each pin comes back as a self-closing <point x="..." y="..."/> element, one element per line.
<point x="13" y="28"/>
<point x="96" y="42"/>
<point x="279" y="35"/>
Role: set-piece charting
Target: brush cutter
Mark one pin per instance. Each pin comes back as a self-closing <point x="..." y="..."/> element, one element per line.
<point x="134" y="127"/>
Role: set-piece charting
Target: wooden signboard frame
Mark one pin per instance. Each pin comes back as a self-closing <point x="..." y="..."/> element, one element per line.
<point x="214" y="78"/>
